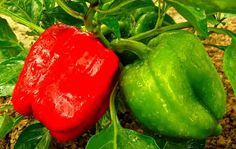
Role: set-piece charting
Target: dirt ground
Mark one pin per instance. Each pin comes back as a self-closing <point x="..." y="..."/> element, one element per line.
<point x="228" y="137"/>
<point x="227" y="140"/>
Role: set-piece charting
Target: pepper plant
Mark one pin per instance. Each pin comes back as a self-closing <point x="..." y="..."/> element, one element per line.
<point x="91" y="56"/>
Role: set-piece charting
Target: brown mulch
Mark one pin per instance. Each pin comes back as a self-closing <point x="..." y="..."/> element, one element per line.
<point x="227" y="140"/>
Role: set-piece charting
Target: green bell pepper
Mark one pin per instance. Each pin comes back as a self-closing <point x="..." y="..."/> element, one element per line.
<point x="145" y="23"/>
<point x="146" y="18"/>
<point x="175" y="90"/>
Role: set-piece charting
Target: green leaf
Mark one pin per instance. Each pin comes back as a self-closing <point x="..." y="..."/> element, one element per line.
<point x="29" y="10"/>
<point x="9" y="74"/>
<point x="102" y="139"/>
<point x="212" y="20"/>
<point x="7" y="123"/>
<point x="49" y="4"/>
<point x="112" y="23"/>
<point x="189" y="144"/>
<point x="34" y="136"/>
<point x="195" y="16"/>
<point x="125" y="6"/>
<point x="47" y="20"/>
<point x="143" y="10"/>
<point x="229" y="64"/>
<point x="44" y="143"/>
<point x="126" y="138"/>
<point x="57" y="14"/>
<point x="9" y="45"/>
<point x="211" y="6"/>
<point x="228" y="15"/>
<point x="105" y="1"/>
<point x="104" y="122"/>
<point x="17" y="120"/>
<point x="116" y="137"/>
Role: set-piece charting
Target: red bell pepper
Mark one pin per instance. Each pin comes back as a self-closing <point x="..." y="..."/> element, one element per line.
<point x="66" y="81"/>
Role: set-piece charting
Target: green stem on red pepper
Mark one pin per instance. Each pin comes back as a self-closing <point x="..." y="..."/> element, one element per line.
<point x="71" y="12"/>
<point x="89" y="19"/>
<point x="96" y="28"/>
<point x="103" y="38"/>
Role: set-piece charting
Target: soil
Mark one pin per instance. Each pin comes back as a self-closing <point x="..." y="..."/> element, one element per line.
<point x="227" y="140"/>
<point x="228" y="137"/>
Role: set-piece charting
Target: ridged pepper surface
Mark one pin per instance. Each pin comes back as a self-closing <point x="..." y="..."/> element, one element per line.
<point x="66" y="81"/>
<point x="175" y="91"/>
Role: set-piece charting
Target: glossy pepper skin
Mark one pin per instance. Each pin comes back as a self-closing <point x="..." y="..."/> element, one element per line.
<point x="66" y="81"/>
<point x="175" y="91"/>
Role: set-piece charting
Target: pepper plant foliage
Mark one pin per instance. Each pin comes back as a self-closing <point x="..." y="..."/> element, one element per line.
<point x="126" y="27"/>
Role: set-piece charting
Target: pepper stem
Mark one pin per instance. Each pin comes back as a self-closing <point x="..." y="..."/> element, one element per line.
<point x="113" y="114"/>
<point x="103" y="39"/>
<point x="138" y="48"/>
<point x="162" y="9"/>
<point x="155" y="31"/>
<point x="222" y="31"/>
<point x="89" y="16"/>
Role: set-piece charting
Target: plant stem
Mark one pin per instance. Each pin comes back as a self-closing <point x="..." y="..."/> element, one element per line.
<point x="161" y="14"/>
<point x="114" y="117"/>
<point x="138" y="48"/>
<point x="103" y="39"/>
<point x="89" y="18"/>
<point x="71" y="12"/>
<point x="155" y="32"/>
<point x="21" y="20"/>
<point x="218" y="16"/>
<point x="222" y="31"/>
<point x="217" y="46"/>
